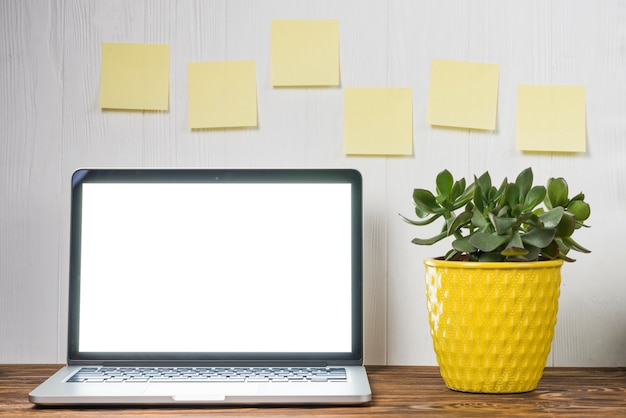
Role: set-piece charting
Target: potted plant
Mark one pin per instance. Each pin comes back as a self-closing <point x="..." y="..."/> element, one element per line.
<point x="493" y="298"/>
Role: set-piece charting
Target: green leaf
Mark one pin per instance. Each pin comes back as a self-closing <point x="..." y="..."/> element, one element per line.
<point x="566" y="258"/>
<point x="539" y="237"/>
<point x="533" y="221"/>
<point x="503" y="212"/>
<point x="426" y="203"/>
<point x="524" y="181"/>
<point x="579" y="209"/>
<point x="525" y="217"/>
<point x="533" y="253"/>
<point x="463" y="245"/>
<point x="499" y="195"/>
<point x="484" y="183"/>
<point x="453" y="255"/>
<point x="516" y="240"/>
<point x="579" y="196"/>
<point x="429" y="241"/>
<point x="557" y="192"/>
<point x="421" y="213"/>
<point x="515" y="247"/>
<point x="487" y="242"/>
<point x="491" y="257"/>
<point x="463" y="219"/>
<point x="551" y="251"/>
<point x="457" y="190"/>
<point x="574" y="245"/>
<point x="420" y="223"/>
<point x="551" y="218"/>
<point x="479" y="200"/>
<point x="514" y="251"/>
<point x="444" y="183"/>
<point x="464" y="199"/>
<point x="563" y="248"/>
<point x="534" y="197"/>
<point x="566" y="226"/>
<point x="512" y="195"/>
<point x="478" y="219"/>
<point x="467" y="194"/>
<point x="501" y="224"/>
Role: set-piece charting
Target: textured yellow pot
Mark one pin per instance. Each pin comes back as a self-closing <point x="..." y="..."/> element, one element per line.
<point x="492" y="324"/>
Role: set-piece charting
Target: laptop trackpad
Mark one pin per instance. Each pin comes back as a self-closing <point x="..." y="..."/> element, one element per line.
<point x="201" y="392"/>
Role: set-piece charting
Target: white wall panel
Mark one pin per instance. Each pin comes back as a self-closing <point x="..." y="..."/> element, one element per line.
<point x="30" y="221"/>
<point x="50" y="124"/>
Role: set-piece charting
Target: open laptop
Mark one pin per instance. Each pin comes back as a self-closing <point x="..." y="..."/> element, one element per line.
<point x="211" y="286"/>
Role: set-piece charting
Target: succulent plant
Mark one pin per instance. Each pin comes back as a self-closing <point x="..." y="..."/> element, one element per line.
<point x="513" y="222"/>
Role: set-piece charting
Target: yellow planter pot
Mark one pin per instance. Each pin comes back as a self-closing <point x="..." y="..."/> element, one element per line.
<point x="492" y="324"/>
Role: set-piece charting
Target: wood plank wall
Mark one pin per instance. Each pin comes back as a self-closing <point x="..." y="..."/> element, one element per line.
<point x="50" y="124"/>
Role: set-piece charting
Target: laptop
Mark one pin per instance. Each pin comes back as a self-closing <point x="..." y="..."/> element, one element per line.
<point x="213" y="286"/>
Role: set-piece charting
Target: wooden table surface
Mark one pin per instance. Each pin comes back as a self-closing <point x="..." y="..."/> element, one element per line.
<point x="397" y="391"/>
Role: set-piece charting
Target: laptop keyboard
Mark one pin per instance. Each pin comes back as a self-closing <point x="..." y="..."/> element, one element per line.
<point x="207" y="374"/>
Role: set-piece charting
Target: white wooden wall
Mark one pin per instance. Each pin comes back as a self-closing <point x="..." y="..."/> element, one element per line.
<point x="50" y="124"/>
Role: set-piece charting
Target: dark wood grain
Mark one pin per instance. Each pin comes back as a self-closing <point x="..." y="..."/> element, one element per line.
<point x="397" y="391"/>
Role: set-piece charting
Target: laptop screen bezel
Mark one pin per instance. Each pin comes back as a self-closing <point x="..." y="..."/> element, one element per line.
<point x="149" y="175"/>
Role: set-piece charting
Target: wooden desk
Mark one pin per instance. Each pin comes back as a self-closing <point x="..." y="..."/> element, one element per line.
<point x="397" y="390"/>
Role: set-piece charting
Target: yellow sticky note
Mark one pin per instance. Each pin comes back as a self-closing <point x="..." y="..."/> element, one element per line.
<point x="378" y="121"/>
<point x="305" y="53"/>
<point x="135" y="76"/>
<point x="463" y="94"/>
<point x="222" y="94"/>
<point x="551" y="118"/>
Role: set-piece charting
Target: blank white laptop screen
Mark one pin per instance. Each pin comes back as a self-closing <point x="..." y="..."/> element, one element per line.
<point x="215" y="267"/>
